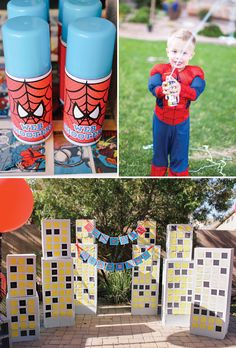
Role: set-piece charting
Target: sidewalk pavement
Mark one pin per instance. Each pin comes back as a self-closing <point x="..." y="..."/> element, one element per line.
<point x="163" y="28"/>
<point x="122" y="330"/>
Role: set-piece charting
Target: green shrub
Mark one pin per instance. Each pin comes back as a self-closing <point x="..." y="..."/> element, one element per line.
<point x="147" y="3"/>
<point x="124" y="10"/>
<point x="202" y="13"/>
<point x="117" y="289"/>
<point x="211" y="30"/>
<point x="141" y="16"/>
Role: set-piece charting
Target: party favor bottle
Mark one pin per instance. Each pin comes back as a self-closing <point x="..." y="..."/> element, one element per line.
<point x="59" y="23"/>
<point x="72" y="10"/>
<point x="88" y="71"/>
<point x="33" y="8"/>
<point x="26" y="43"/>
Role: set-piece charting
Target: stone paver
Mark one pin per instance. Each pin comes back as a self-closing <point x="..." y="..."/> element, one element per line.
<point x="122" y="330"/>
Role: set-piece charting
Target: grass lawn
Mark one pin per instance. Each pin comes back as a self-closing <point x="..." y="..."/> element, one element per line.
<point x="213" y="116"/>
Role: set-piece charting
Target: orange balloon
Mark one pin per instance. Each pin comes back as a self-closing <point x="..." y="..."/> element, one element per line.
<point x="16" y="204"/>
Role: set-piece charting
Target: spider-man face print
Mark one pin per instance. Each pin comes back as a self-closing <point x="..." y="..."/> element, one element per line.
<point x="84" y="109"/>
<point x="31" y="108"/>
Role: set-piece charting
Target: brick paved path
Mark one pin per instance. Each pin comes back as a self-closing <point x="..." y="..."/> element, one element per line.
<point x="113" y="329"/>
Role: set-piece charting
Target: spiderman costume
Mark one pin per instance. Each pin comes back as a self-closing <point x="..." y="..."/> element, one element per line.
<point x="171" y="124"/>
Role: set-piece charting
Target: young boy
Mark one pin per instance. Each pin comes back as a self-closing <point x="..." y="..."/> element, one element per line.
<point x="173" y="99"/>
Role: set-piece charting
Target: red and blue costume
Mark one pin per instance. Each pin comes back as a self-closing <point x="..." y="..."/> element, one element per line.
<point x="171" y="123"/>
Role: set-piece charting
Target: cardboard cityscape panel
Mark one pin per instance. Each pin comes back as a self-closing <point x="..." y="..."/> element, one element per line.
<point x="179" y="242"/>
<point x="177" y="290"/>
<point x="177" y="281"/>
<point x="21" y="275"/>
<point x="58" y="292"/>
<point x="85" y="280"/>
<point x="145" y="282"/>
<point x="195" y="293"/>
<point x="22" y="301"/>
<point x="56" y="238"/>
<point x="148" y="237"/>
<point x="212" y="292"/>
<point x="23" y="313"/>
<point x="57" y="274"/>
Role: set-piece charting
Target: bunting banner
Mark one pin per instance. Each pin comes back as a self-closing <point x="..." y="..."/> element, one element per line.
<point x="122" y="240"/>
<point x="110" y="266"/>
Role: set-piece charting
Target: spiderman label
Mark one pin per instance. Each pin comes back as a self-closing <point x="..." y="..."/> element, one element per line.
<point x="85" y="108"/>
<point x="31" y="107"/>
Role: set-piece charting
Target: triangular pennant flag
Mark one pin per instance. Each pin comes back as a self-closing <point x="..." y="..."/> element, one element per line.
<point x="101" y="264"/>
<point x="89" y="226"/>
<point x="92" y="261"/>
<point x="129" y="264"/>
<point x="114" y="240"/>
<point x="141" y="229"/>
<point x="96" y="233"/>
<point x="110" y="267"/>
<point x="104" y="238"/>
<point x="146" y="255"/>
<point x="138" y="260"/>
<point x="120" y="266"/>
<point x="84" y="255"/>
<point x="133" y="235"/>
<point x="124" y="240"/>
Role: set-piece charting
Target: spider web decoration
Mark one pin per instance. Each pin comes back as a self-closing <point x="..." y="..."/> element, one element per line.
<point x="85" y="105"/>
<point x="31" y="104"/>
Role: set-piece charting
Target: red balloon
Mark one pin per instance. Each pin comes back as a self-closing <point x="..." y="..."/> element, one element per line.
<point x="16" y="204"/>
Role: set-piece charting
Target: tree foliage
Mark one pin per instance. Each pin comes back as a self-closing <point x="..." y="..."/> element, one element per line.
<point x="118" y="204"/>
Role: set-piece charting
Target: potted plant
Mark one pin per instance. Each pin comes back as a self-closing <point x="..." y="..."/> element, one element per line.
<point x="172" y="8"/>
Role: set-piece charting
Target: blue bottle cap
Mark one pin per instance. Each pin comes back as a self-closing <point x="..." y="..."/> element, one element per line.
<point x="90" y="48"/>
<point x="26" y="44"/>
<point x="48" y="4"/>
<point x="33" y="8"/>
<point x="48" y="8"/>
<point x="60" y="7"/>
<point x="73" y="9"/>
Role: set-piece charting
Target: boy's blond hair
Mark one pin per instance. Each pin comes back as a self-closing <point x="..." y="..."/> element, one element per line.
<point x="184" y="35"/>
